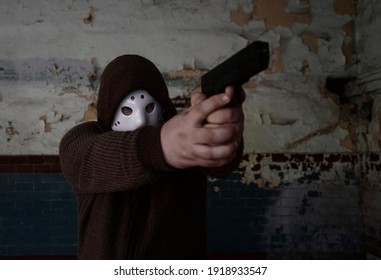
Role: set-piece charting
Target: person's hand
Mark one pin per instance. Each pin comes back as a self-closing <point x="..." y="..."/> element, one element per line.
<point x="230" y="114"/>
<point x="208" y="134"/>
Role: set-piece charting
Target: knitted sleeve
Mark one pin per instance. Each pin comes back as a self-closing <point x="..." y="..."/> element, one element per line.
<point x="96" y="162"/>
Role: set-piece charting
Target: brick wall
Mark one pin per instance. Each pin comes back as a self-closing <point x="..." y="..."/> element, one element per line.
<point x="329" y="210"/>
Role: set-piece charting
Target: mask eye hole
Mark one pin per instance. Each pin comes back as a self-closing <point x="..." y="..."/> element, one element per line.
<point x="127" y="111"/>
<point x="150" y="107"/>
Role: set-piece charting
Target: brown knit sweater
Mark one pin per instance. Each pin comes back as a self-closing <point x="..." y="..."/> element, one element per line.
<point x="131" y="204"/>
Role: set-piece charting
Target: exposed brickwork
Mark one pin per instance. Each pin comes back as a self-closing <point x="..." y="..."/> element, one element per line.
<point x="30" y="164"/>
<point x="299" y="206"/>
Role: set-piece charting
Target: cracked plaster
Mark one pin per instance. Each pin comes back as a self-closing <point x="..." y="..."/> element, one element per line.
<point x="53" y="80"/>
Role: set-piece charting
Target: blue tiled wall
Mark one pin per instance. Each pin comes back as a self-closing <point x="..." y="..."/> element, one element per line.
<point x="310" y="218"/>
<point x="37" y="215"/>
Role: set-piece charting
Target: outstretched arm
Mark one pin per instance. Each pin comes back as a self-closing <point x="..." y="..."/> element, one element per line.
<point x="94" y="161"/>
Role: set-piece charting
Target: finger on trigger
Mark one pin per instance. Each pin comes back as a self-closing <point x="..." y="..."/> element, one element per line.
<point x="229" y="91"/>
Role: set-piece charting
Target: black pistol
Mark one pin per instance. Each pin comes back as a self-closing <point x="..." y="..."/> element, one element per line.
<point x="236" y="70"/>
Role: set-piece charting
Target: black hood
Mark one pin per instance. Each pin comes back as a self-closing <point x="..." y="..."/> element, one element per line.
<point x="123" y="75"/>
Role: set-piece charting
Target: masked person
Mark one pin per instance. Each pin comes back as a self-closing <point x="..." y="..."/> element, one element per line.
<point x="140" y="170"/>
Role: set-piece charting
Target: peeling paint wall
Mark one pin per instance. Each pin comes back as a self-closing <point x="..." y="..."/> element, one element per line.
<point x="53" y="52"/>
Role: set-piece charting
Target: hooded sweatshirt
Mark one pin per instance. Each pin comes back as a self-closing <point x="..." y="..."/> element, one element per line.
<point x="131" y="204"/>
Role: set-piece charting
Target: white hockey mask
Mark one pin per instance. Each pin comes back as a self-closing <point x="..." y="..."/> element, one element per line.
<point x="137" y="109"/>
